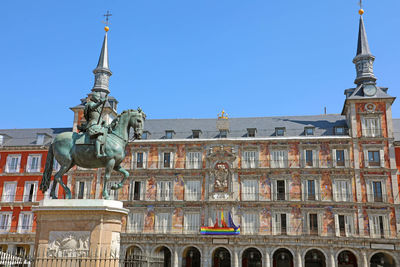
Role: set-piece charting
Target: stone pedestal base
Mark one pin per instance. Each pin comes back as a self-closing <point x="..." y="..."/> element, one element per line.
<point x="78" y="228"/>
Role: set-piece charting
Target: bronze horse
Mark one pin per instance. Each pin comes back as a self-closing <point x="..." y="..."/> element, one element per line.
<point x="70" y="149"/>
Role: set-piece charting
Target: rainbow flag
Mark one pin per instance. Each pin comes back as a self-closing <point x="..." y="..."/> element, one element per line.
<point x="230" y="229"/>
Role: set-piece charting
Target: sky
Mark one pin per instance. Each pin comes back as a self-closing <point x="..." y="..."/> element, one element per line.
<point x="191" y="59"/>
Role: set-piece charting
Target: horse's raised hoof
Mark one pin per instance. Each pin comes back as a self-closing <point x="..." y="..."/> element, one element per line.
<point x="116" y="186"/>
<point x="106" y="196"/>
<point x="54" y="197"/>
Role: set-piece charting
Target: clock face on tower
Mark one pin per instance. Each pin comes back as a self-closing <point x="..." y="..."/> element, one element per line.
<point x="369" y="90"/>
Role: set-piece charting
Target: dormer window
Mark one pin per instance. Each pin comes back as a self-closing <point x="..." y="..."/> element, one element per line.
<point x="1" y="139"/>
<point x="223" y="134"/>
<point x="251" y="132"/>
<point x="169" y="134"/>
<point x="40" y="139"/>
<point x="309" y="130"/>
<point x="339" y="130"/>
<point x="196" y="134"/>
<point x="145" y="135"/>
<point x="280" y="131"/>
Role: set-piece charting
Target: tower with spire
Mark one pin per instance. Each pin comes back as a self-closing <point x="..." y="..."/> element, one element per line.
<point x="102" y="74"/>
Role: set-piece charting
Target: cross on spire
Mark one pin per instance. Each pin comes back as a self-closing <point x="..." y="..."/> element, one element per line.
<point x="108" y="14"/>
<point x="361" y="4"/>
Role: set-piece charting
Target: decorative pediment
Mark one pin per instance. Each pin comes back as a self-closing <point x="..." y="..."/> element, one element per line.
<point x="221" y="154"/>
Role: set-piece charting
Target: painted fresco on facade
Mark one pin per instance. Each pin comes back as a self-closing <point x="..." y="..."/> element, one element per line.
<point x="149" y="220"/>
<point x="295" y="186"/>
<point x="151" y="189"/>
<point x="265" y="187"/>
<point x="294" y="155"/>
<point x="326" y="186"/>
<point x="296" y="220"/>
<point x="265" y="221"/>
<point x="177" y="219"/>
<point x="179" y="186"/>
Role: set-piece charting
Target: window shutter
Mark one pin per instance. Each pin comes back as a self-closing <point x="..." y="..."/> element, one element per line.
<point x="371" y="226"/>
<point x="168" y="190"/>
<point x="317" y="189"/>
<point x="273" y="190"/>
<point x="277" y="224"/>
<point x="320" y="223"/>
<point x="88" y="190"/>
<point x="364" y="127"/>
<point x="369" y="191"/>
<point x="303" y="160"/>
<point x="8" y="164"/>
<point x="20" y="219"/>
<point x="144" y="160"/>
<point x="346" y="158"/>
<point x="337" y="229"/>
<point x="347" y="225"/>
<point x="349" y="196"/>
<point x="386" y="227"/>
<point x="171" y="163"/>
<point x="159" y="189"/>
<point x="288" y="224"/>
<point x="308" y="223"/>
<point x="366" y="160"/>
<point x="26" y="191"/>
<point x="315" y="158"/>
<point x="142" y="188"/>
<point x="18" y="164"/>
<point x="76" y="189"/>
<point x="335" y="190"/>
<point x="160" y="160"/>
<point x="382" y="157"/>
<point x="384" y="194"/>
<point x="29" y="164"/>
<point x="334" y="157"/>
<point x="287" y="192"/>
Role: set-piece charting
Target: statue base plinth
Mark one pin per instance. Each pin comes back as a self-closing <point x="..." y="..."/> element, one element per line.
<point x="76" y="228"/>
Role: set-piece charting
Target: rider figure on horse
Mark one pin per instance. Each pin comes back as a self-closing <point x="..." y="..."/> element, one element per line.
<point x="95" y="126"/>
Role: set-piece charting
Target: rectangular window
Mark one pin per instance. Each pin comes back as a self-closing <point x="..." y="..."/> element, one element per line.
<point x="279" y="159"/>
<point x="313" y="223"/>
<point x="196" y="134"/>
<point x="5" y="221"/>
<point x="342" y="227"/>
<point x="25" y="222"/>
<point x="311" y="190"/>
<point x="113" y="193"/>
<point x="9" y="189"/>
<point x="1" y="140"/>
<point x="340" y="130"/>
<point x="371" y="127"/>
<point x="162" y="223"/>
<point x="47" y="194"/>
<point x="13" y="163"/>
<point x="377" y="191"/>
<point x="145" y="135"/>
<point x="340" y="157"/>
<point x="192" y="191"/>
<point x="169" y="134"/>
<point x="251" y="132"/>
<point x="280" y="224"/>
<point x="135" y="222"/>
<point x="192" y="222"/>
<point x="379" y="226"/>
<point x="249" y="159"/>
<point x="40" y="139"/>
<point x="309" y="158"/>
<point x="374" y="158"/>
<point x="342" y="190"/>
<point x="194" y="160"/>
<point x="33" y="164"/>
<point x="250" y="223"/>
<point x="167" y="159"/>
<point x="83" y="189"/>
<point x="309" y="131"/>
<point x="30" y="191"/>
<point x="164" y="190"/>
<point x="249" y="190"/>
<point x="280" y="190"/>
<point x="223" y="133"/>
<point x="137" y="191"/>
<point x="279" y="131"/>
<point x="139" y="160"/>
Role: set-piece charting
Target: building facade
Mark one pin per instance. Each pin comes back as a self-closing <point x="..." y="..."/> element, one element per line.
<point x="306" y="190"/>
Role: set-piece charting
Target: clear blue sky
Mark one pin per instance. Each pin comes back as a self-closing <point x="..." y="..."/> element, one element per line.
<point x="190" y="59"/>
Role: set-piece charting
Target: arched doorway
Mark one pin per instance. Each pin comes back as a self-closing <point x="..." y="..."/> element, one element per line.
<point x="282" y="258"/>
<point x="221" y="258"/>
<point x="382" y="260"/>
<point x="191" y="257"/>
<point x="347" y="259"/>
<point x="134" y="257"/>
<point x="251" y="258"/>
<point x="315" y="258"/>
<point x="161" y="258"/>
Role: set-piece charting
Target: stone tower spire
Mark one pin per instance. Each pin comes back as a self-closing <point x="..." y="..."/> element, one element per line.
<point x="364" y="60"/>
<point x="102" y="72"/>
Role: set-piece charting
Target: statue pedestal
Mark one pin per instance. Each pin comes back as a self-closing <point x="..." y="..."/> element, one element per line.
<point x="78" y="228"/>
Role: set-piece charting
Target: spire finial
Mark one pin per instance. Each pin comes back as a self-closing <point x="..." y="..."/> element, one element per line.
<point x="361" y="11"/>
<point x="107" y="15"/>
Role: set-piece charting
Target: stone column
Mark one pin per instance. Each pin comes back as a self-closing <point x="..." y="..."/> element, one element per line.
<point x="235" y="257"/>
<point x="175" y="253"/>
<point x="147" y="253"/>
<point x="205" y="256"/>
<point x="364" y="258"/>
<point x="267" y="258"/>
<point x="332" y="258"/>
<point x="299" y="258"/>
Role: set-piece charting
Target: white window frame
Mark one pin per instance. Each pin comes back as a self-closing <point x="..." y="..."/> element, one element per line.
<point x="171" y="162"/>
<point x="349" y="224"/>
<point x="9" y="195"/>
<point x="25" y="228"/>
<point x="31" y="157"/>
<point x="282" y="158"/>
<point x="132" y="190"/>
<point x="40" y="137"/>
<point x="56" y="165"/>
<point x="250" y="159"/>
<point x="376" y="130"/>
<point x="194" y="160"/>
<point x="162" y="228"/>
<point x="274" y="187"/>
<point x="253" y="219"/>
<point x="250" y="189"/>
<point x="346" y="158"/>
<point x="8" y="223"/>
<point x="216" y="213"/>
<point x="135" y="157"/>
<point x="315" y="157"/>
<point x="277" y="224"/>
<point x="369" y="185"/>
<point x="26" y="191"/>
<point x="113" y="193"/>
<point x="164" y="190"/>
<point x="9" y="161"/>
<point x="319" y="221"/>
<point x="190" y="194"/>
<point x="187" y="227"/>
<point x="374" y="232"/>
<point x="47" y="193"/>
<point x="304" y="188"/>
<point x="86" y="190"/>
<point x="135" y="222"/>
<point x="335" y="189"/>
<point x="381" y="156"/>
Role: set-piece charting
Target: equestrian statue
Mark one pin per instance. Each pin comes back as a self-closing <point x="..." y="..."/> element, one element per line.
<point x="97" y="145"/>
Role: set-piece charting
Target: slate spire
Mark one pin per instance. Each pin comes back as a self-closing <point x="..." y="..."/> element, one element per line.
<point x="102" y="72"/>
<point x="364" y="60"/>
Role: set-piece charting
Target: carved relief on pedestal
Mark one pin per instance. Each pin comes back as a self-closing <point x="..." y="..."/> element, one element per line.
<point x="220" y="159"/>
<point x="68" y="243"/>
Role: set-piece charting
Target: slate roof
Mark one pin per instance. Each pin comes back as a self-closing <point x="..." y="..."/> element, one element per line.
<point x="323" y="124"/>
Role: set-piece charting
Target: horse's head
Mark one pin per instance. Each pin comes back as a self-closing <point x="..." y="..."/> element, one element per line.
<point x="136" y="121"/>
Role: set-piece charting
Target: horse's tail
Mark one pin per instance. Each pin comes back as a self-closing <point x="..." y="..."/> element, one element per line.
<point x="48" y="170"/>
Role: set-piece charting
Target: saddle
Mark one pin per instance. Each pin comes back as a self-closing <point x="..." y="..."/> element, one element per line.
<point x="84" y="139"/>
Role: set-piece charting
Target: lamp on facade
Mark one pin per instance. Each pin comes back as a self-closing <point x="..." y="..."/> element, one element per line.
<point x="283" y="256"/>
<point x="251" y="255"/>
<point x="191" y="254"/>
<point x="346" y="258"/>
<point x="382" y="260"/>
<point x="315" y="256"/>
<point x="221" y="255"/>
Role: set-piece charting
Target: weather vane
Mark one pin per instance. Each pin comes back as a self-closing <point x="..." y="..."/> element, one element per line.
<point x="107" y="15"/>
